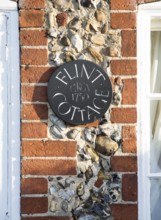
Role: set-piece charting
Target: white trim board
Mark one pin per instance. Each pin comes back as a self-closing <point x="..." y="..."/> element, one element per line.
<point x="149" y="16"/>
<point x="8" y="5"/>
<point x="10" y="108"/>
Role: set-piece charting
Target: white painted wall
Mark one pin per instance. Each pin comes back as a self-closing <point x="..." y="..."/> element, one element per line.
<point x="146" y="14"/>
<point x="9" y="112"/>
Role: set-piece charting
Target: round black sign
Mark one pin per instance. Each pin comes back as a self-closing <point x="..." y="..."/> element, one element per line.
<point x="79" y="92"/>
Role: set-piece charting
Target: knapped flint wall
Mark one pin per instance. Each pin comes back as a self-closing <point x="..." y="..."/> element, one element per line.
<point x="81" y="30"/>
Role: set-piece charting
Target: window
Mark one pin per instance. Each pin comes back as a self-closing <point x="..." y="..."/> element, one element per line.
<point x="149" y="111"/>
<point x="9" y="112"/>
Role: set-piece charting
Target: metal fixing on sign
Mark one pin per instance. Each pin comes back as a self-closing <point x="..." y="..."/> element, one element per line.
<point x="79" y="92"/>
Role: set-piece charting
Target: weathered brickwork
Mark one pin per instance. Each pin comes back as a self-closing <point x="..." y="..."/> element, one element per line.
<point x="51" y="163"/>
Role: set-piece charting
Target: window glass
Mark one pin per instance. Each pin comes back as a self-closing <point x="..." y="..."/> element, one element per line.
<point x="155" y="194"/>
<point x="155" y="79"/>
<point x="155" y="119"/>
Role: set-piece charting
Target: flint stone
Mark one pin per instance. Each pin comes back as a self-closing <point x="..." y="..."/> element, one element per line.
<point x="85" y="3"/>
<point x="101" y="16"/>
<point x="56" y="132"/>
<point x="57" y="122"/>
<point x="75" y="23"/>
<point x="105" y="29"/>
<point x="66" y="194"/>
<point x="88" y="217"/>
<point x="98" y="39"/>
<point x="106" y="145"/>
<point x="69" y="57"/>
<point x="72" y="134"/>
<point x="92" y="24"/>
<point x="95" y="54"/>
<point x="83" y="165"/>
<point x="53" y="32"/>
<point x="95" y="3"/>
<point x="113" y="52"/>
<point x="89" y="173"/>
<point x="86" y="194"/>
<point x="77" y="42"/>
<point x="80" y="189"/>
<point x="55" y="205"/>
<point x="65" y="41"/>
<point x="116" y="98"/>
<point x="114" y="194"/>
<point x="93" y="154"/>
<point x="63" y="4"/>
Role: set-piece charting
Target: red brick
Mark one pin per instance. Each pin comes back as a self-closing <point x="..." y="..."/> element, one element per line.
<point x="123" y="5"/>
<point x="129" y="93"/>
<point x="34" y="93"/>
<point x="31" y="18"/>
<point x="129" y="187"/>
<point x="36" y="74"/>
<point x="31" y="205"/>
<point x="129" y="139"/>
<point x="34" y="56"/>
<point x="49" y="148"/>
<point x="124" y="211"/>
<point x="123" y="115"/>
<point x="140" y="1"/>
<point x="34" y="186"/>
<point x="34" y="112"/>
<point x="33" y="130"/>
<point x="31" y="4"/>
<point x="123" y="164"/>
<point x="123" y="67"/>
<point x="99" y="183"/>
<point x="128" y="43"/>
<point x="48" y="167"/>
<point x="147" y="1"/>
<point x="94" y="124"/>
<point x="62" y="19"/>
<point x="47" y="218"/>
<point x="123" y="20"/>
<point x="33" y="38"/>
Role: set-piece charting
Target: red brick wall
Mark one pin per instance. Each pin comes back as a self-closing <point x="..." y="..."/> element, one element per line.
<point x="123" y="17"/>
<point x="37" y="152"/>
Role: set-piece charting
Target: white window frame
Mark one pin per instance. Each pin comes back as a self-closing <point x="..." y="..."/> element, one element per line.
<point x="146" y="13"/>
<point x="11" y="211"/>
